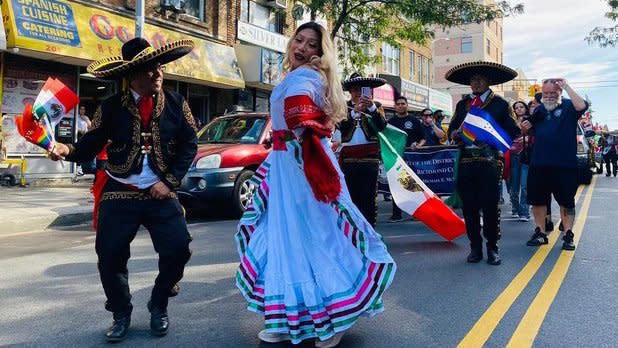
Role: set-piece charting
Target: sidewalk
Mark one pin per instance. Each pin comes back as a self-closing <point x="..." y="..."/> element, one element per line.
<point x="36" y="208"/>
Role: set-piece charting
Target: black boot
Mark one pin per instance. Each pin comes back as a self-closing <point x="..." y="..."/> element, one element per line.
<point x="567" y="241"/>
<point x="119" y="329"/>
<point x="492" y="255"/>
<point x="159" y="321"/>
<point x="476" y="254"/>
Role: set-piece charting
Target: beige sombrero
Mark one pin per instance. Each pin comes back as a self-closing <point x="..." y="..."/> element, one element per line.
<point x="138" y="52"/>
<point x="495" y="72"/>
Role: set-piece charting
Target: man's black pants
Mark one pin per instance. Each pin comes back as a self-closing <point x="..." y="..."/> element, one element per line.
<point x="478" y="183"/>
<point x="361" y="178"/>
<point x="121" y="212"/>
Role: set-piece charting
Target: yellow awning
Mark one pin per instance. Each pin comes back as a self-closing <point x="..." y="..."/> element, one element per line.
<point x="76" y="31"/>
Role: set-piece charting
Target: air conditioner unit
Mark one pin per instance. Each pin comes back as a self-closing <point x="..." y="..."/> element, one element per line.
<point x="177" y="6"/>
<point x="280" y="4"/>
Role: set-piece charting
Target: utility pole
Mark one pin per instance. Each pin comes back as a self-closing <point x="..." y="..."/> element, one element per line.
<point x="139" y="18"/>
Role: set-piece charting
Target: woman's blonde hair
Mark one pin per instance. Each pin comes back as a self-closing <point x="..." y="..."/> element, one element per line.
<point x="326" y="65"/>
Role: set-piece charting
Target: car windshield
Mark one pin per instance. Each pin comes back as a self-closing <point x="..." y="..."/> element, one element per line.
<point x="233" y="130"/>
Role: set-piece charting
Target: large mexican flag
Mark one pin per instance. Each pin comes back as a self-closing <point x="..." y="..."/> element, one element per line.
<point x="410" y="193"/>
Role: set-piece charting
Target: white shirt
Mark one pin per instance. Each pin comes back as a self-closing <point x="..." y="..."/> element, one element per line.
<point x="358" y="137"/>
<point x="146" y="177"/>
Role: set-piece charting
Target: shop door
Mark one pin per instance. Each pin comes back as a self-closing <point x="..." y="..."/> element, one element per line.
<point x="198" y="103"/>
<point x="92" y="92"/>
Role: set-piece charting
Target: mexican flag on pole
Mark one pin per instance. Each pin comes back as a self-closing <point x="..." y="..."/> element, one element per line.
<point x="410" y="193"/>
<point x="54" y="101"/>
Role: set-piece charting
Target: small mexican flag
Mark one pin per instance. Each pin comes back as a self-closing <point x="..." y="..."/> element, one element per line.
<point x="54" y="101"/>
<point x="410" y="193"/>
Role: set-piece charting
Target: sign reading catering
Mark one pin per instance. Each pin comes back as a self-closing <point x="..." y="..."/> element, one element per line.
<point x="47" y="20"/>
<point x="262" y="37"/>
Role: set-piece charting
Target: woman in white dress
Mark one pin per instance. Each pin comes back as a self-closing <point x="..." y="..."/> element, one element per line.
<point x="310" y="262"/>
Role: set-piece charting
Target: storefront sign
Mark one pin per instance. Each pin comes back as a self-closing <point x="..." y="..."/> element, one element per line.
<point x="2" y="34"/>
<point x="417" y="95"/>
<point x="261" y="37"/>
<point x="385" y="94"/>
<point x="441" y="101"/>
<point x="75" y="30"/>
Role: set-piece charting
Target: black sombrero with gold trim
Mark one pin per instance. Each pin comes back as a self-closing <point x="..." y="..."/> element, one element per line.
<point x="138" y="52"/>
<point x="356" y="80"/>
<point x="496" y="73"/>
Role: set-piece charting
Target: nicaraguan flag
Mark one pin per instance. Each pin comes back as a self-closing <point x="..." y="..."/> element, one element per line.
<point x="481" y="127"/>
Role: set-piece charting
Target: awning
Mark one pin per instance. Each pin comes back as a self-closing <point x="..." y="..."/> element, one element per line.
<point x="79" y="34"/>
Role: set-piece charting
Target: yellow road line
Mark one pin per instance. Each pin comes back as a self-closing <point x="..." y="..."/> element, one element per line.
<point x="485" y="326"/>
<point x="530" y="324"/>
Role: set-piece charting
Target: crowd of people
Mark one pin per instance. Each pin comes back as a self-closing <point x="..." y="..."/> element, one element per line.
<point x="311" y="262"/>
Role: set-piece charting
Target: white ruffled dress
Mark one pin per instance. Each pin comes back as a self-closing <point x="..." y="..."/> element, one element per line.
<point x="311" y="268"/>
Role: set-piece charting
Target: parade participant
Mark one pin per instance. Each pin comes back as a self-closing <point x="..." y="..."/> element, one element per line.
<point x="519" y="167"/>
<point x="480" y="166"/>
<point x="360" y="155"/>
<point x="416" y="137"/>
<point x="553" y="165"/>
<point x="433" y="132"/>
<point x="83" y="123"/>
<point x="153" y="143"/>
<point x="305" y="248"/>
<point x="609" y="146"/>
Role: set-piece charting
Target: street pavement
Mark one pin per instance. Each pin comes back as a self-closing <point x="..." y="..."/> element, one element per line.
<point x="545" y="297"/>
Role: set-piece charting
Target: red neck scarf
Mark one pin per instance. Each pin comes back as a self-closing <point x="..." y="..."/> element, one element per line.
<point x="301" y="111"/>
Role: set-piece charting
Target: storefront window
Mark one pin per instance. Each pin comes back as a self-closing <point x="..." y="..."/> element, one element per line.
<point x="261" y="102"/>
<point x="272" y="67"/>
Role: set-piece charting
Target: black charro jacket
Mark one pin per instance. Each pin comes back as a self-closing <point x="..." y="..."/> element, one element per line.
<point x="172" y="138"/>
<point x="348" y="125"/>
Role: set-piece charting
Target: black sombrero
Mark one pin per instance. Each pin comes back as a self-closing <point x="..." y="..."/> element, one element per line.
<point x="356" y="80"/>
<point x="138" y="52"/>
<point x="496" y="73"/>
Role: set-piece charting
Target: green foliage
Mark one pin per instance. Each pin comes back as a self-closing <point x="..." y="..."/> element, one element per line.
<point x="357" y="25"/>
<point x="606" y="37"/>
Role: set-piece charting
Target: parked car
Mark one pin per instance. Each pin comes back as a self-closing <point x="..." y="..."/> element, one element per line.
<point x="230" y="149"/>
<point x="585" y="158"/>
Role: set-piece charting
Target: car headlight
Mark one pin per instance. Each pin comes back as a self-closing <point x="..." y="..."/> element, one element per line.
<point x="209" y="162"/>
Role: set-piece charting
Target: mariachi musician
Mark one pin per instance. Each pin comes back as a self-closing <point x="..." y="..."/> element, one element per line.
<point x="360" y="153"/>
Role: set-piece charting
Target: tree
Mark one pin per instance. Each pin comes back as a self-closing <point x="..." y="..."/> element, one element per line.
<point x="606" y="37"/>
<point x="358" y="24"/>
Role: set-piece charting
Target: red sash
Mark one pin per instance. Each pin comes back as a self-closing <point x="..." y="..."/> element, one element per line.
<point x="301" y="111"/>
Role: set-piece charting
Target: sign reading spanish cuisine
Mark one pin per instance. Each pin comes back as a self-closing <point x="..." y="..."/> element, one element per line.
<point x="75" y="30"/>
<point x="47" y="20"/>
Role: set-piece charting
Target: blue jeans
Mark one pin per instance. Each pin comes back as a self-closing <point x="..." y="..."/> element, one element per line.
<point x="519" y="189"/>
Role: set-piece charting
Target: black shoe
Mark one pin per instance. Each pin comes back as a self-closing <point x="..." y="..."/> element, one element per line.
<point x="608" y="175"/>
<point x="549" y="226"/>
<point x="159" y="321"/>
<point x="567" y="241"/>
<point x="561" y="227"/>
<point x="119" y="329"/>
<point x="476" y="255"/>
<point x="175" y="290"/>
<point x="538" y="238"/>
<point x="492" y="255"/>
<point x="395" y="219"/>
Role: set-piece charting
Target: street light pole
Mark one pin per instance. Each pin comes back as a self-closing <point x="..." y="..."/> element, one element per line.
<point x="139" y="18"/>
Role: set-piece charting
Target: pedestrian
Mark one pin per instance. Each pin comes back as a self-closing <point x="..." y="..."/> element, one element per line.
<point x="305" y="248"/>
<point x="153" y="143"/>
<point x="433" y="132"/>
<point x="480" y="167"/>
<point x="553" y="165"/>
<point x="360" y="152"/>
<point x="416" y="137"/>
<point x="83" y="123"/>
<point x="609" y="145"/>
<point x="519" y="167"/>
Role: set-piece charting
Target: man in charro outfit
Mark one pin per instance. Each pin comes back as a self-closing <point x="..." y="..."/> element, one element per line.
<point x="152" y="142"/>
<point x="360" y="154"/>
<point x="480" y="166"/>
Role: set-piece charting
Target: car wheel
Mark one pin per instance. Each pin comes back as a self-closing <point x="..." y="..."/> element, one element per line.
<point x="243" y="191"/>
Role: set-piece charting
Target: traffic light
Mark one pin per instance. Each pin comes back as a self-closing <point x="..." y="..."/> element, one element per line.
<point x="534" y="89"/>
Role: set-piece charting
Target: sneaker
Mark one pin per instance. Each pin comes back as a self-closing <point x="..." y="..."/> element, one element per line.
<point x="514" y="215"/>
<point x="524" y="218"/>
<point x="271" y="337"/>
<point x="331" y="342"/>
<point x="567" y="241"/>
<point x="538" y="238"/>
<point x="393" y="219"/>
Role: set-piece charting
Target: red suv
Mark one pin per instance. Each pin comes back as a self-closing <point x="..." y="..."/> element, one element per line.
<point x="230" y="148"/>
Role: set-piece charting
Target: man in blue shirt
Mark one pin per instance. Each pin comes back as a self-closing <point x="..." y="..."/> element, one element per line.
<point x="553" y="164"/>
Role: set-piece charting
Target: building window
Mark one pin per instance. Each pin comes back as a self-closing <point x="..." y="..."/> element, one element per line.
<point x="488" y="47"/>
<point x="390" y="59"/>
<point x="412" y="61"/>
<point x="195" y="8"/>
<point x="466" y="44"/>
<point x="261" y="16"/>
<point x="424" y="71"/>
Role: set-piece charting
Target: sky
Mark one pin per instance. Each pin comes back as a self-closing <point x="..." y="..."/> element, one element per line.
<point x="548" y="40"/>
